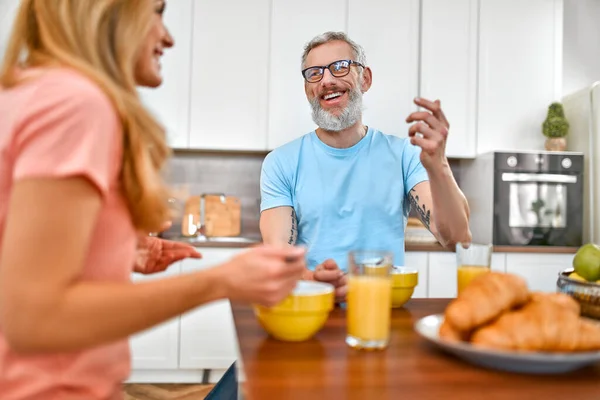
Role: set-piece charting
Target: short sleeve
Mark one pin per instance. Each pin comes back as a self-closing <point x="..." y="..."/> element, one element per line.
<point x="69" y="130"/>
<point x="275" y="186"/>
<point x="414" y="172"/>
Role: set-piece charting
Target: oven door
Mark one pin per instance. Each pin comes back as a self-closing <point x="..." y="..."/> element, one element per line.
<point x="538" y="209"/>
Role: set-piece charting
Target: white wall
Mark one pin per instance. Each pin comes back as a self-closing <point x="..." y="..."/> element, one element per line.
<point x="581" y="44"/>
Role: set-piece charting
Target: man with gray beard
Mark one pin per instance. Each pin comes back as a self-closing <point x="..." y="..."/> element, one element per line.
<point x="347" y="186"/>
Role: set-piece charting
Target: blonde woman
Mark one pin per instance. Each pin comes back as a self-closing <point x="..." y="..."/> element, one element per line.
<point x="79" y="180"/>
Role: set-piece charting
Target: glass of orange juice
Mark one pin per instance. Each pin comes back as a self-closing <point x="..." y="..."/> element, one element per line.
<point x="368" y="300"/>
<point x="472" y="260"/>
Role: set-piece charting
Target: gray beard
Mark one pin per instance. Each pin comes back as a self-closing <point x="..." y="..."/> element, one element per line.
<point x="349" y="116"/>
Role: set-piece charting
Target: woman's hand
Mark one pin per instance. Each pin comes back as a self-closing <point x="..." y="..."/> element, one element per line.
<point x="155" y="254"/>
<point x="264" y="274"/>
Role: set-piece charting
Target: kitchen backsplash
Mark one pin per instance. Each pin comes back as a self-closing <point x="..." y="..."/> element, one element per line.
<point x="231" y="173"/>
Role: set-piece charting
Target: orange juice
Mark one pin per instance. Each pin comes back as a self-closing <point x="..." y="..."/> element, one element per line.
<point x="368" y="309"/>
<point x="466" y="273"/>
<point x="382" y="270"/>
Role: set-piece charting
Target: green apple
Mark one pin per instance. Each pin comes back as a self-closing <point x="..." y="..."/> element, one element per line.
<point x="587" y="262"/>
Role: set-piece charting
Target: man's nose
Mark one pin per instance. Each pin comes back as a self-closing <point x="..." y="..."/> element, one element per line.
<point x="328" y="78"/>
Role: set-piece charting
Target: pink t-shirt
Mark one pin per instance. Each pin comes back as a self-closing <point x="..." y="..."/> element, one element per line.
<point x="61" y="124"/>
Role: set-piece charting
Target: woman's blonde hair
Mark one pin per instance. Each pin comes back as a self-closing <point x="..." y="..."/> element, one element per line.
<point x="101" y="39"/>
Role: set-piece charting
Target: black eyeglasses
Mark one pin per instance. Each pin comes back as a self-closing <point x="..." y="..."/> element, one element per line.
<point x="337" y="68"/>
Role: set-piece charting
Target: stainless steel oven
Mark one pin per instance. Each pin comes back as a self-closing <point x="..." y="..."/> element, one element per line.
<point x="532" y="199"/>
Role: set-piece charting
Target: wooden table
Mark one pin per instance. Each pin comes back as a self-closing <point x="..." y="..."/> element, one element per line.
<point x="410" y="368"/>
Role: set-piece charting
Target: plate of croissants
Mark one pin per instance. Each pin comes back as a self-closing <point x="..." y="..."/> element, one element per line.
<point x="497" y="322"/>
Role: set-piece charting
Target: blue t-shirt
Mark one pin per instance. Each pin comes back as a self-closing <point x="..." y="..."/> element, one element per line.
<point x="345" y="199"/>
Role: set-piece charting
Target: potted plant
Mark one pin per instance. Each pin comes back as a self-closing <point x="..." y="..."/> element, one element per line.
<point x="555" y="128"/>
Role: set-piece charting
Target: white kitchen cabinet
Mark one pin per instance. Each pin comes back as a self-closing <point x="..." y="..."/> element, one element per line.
<point x="442" y="275"/>
<point x="230" y="73"/>
<point x="293" y="24"/>
<point x="389" y="33"/>
<point x="8" y="12"/>
<point x="170" y="101"/>
<point x="539" y="270"/>
<point x="449" y="31"/>
<point x="498" y="262"/>
<point x="207" y="333"/>
<point x="420" y="261"/>
<point x="157" y="347"/>
<point x="233" y="80"/>
<point x="395" y="68"/>
<point x="442" y="272"/>
<point x="520" y="72"/>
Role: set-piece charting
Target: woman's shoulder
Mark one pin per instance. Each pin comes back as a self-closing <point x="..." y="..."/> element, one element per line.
<point x="64" y="85"/>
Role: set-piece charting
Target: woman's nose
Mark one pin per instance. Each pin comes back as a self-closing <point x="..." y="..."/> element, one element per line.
<point x="168" y="40"/>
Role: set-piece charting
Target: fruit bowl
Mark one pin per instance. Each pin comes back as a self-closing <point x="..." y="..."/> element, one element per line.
<point x="586" y="293"/>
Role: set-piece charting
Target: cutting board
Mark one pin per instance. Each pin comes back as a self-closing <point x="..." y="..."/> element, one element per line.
<point x="215" y="214"/>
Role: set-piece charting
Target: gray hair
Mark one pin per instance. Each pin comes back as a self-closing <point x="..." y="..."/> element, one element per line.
<point x="327" y="37"/>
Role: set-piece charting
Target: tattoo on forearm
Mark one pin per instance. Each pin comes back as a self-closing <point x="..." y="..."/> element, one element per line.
<point x="424" y="214"/>
<point x="294" y="230"/>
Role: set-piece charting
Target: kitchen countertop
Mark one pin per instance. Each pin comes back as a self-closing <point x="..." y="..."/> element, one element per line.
<point x="324" y="367"/>
<point x="432" y="247"/>
<point x="220" y="242"/>
<point x="252" y="240"/>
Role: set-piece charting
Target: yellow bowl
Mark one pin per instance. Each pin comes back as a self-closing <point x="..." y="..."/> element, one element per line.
<point x="404" y="281"/>
<point x="301" y="314"/>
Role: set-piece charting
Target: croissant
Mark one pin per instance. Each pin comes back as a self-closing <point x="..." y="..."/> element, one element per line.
<point x="547" y="326"/>
<point x="560" y="299"/>
<point x="451" y="334"/>
<point x="486" y="297"/>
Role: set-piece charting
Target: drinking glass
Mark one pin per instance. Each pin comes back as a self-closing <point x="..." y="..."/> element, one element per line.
<point x="368" y="300"/>
<point x="471" y="261"/>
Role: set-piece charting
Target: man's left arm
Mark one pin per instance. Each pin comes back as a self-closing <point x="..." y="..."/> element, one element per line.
<point x="441" y="205"/>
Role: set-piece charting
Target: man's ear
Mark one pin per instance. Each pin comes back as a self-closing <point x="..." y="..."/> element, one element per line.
<point x="367" y="80"/>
